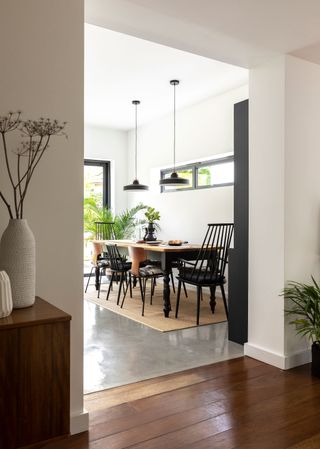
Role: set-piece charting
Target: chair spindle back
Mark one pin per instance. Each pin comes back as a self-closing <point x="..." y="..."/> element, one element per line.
<point x="213" y="255"/>
<point x="116" y="261"/>
<point x="105" y="230"/>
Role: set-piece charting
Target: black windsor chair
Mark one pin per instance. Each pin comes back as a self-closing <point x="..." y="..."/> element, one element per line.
<point x="118" y="266"/>
<point x="98" y="263"/>
<point x="105" y="230"/>
<point x="209" y="268"/>
<point x="142" y="271"/>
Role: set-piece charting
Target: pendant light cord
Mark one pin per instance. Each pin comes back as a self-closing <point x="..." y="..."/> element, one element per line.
<point x="174" y="127"/>
<point x="136" y="141"/>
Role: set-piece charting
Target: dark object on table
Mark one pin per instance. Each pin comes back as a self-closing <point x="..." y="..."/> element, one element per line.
<point x="150" y="235"/>
<point x="175" y="242"/>
<point x="209" y="267"/>
<point x="152" y="217"/>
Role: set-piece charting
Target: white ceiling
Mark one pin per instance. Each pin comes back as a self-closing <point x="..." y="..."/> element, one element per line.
<point x="121" y="68"/>
<point x="241" y="32"/>
<point x="280" y="25"/>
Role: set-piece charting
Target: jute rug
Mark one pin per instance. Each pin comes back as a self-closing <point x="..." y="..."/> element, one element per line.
<point x="153" y="314"/>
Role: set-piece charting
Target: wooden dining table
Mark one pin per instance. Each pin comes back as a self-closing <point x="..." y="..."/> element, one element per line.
<point x="166" y="254"/>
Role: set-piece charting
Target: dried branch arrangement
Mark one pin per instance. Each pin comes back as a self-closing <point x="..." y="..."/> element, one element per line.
<point x="36" y="135"/>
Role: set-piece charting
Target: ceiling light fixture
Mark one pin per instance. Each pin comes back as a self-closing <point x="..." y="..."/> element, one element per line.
<point x="174" y="179"/>
<point x="136" y="186"/>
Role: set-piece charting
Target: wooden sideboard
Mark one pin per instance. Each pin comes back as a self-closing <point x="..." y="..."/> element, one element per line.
<point x="34" y="375"/>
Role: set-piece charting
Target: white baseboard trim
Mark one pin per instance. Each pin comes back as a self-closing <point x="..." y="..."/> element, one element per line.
<point x="298" y="358"/>
<point x="79" y="422"/>
<point x="279" y="360"/>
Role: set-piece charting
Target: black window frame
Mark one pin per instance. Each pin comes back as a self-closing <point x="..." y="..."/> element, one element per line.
<point x="106" y="193"/>
<point x="195" y="167"/>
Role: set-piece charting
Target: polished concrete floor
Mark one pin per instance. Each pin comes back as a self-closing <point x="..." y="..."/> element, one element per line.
<point x="119" y="351"/>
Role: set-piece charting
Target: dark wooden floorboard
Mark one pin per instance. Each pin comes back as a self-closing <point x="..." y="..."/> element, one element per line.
<point x="241" y="403"/>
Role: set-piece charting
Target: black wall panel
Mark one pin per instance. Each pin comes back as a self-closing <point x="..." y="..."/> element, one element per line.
<point x="238" y="256"/>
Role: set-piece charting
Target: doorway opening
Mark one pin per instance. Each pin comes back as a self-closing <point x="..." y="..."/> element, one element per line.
<point x="121" y="346"/>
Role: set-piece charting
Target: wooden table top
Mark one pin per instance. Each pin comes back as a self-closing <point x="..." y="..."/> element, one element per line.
<point x="162" y="248"/>
<point x="40" y="313"/>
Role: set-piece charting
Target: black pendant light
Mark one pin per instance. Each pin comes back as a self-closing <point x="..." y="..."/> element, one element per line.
<point x="174" y="179"/>
<point x="136" y="186"/>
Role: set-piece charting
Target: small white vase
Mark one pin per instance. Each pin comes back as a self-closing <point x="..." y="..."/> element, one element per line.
<point x="17" y="258"/>
<point x="5" y="295"/>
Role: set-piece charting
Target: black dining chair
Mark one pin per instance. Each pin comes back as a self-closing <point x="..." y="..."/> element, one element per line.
<point x="104" y="230"/>
<point x="208" y="270"/>
<point x="119" y="267"/>
<point x="142" y="271"/>
<point x="98" y="264"/>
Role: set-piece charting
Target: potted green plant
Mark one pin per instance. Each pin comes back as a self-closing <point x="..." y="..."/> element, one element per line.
<point x="304" y="307"/>
<point x="152" y="217"/>
<point x="125" y="222"/>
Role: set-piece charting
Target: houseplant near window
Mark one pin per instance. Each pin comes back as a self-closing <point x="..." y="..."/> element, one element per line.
<point x="17" y="245"/>
<point x="152" y="216"/>
<point x="124" y="223"/>
<point x="304" y="307"/>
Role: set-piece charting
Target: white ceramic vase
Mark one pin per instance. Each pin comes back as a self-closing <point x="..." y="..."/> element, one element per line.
<point x="5" y="295"/>
<point x="17" y="258"/>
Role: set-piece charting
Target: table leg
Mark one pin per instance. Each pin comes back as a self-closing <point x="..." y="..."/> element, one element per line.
<point x="213" y="298"/>
<point x="97" y="275"/>
<point x="166" y="294"/>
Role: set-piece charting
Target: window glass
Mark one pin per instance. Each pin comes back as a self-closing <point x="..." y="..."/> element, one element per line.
<point x="93" y="183"/>
<point x="214" y="173"/>
<point x="186" y="173"/>
<point x="220" y="173"/>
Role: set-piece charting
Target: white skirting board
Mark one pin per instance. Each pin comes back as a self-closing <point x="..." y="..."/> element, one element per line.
<point x="79" y="422"/>
<point x="279" y="360"/>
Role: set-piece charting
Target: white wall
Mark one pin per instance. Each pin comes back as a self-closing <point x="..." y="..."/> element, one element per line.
<point x="266" y="206"/>
<point x="203" y="130"/>
<point x="42" y="74"/>
<point x="302" y="185"/>
<point x="284" y="201"/>
<point x="110" y="145"/>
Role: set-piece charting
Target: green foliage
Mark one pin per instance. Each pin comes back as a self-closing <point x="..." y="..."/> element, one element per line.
<point x="304" y="301"/>
<point x="124" y="223"/>
<point x="152" y="215"/>
<point x="204" y="177"/>
<point x="88" y="194"/>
